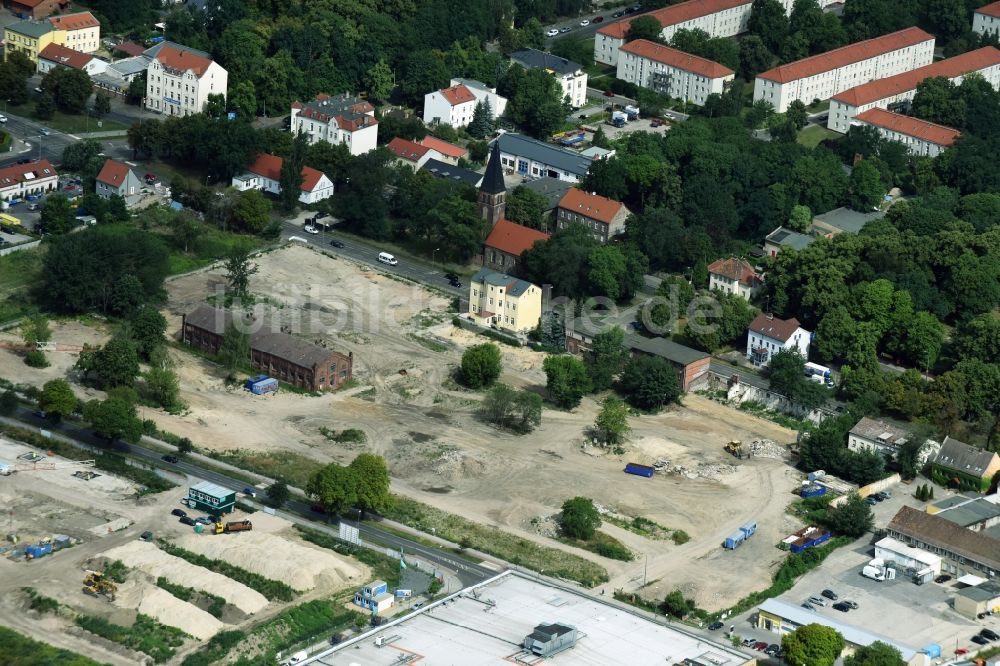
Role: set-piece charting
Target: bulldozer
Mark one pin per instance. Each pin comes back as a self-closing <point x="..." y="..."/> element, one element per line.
<point x="96" y="584"/>
<point x="738" y="449"/>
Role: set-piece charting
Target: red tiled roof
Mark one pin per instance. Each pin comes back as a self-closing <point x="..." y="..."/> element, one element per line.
<point x="443" y="147"/>
<point x="735" y="269"/>
<point x="593" y="206"/>
<point x="457" y="94"/>
<point x="873" y="91"/>
<point x="351" y="113"/>
<point x="846" y="55"/>
<point x="113" y="173"/>
<point x="920" y="129"/>
<point x="130" y="48"/>
<point x="269" y="166"/>
<point x="513" y="238"/>
<point x="16" y="173"/>
<point x="183" y="60"/>
<point x="674" y="14"/>
<point x="77" y="21"/>
<point x="61" y="55"/>
<point x="679" y="59"/>
<point x="992" y="9"/>
<point x="774" y="328"/>
<point x="407" y="150"/>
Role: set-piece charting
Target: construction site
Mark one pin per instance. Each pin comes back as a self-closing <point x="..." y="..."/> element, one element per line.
<point x="84" y="550"/>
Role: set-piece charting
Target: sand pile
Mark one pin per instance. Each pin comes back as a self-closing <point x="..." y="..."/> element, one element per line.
<point x="166" y="608"/>
<point x="276" y="558"/>
<point x="153" y="561"/>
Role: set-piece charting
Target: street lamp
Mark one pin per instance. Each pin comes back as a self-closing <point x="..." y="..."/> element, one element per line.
<point x="433" y="253"/>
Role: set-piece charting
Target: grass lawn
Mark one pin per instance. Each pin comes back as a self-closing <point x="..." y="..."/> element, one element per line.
<point x="294" y="468"/>
<point x="818" y="108"/>
<point x="18" y="271"/>
<point x="212" y="245"/>
<point x="811" y="136"/>
<point x="64" y="122"/>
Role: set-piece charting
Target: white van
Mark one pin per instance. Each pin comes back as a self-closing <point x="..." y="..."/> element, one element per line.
<point x="387" y="258"/>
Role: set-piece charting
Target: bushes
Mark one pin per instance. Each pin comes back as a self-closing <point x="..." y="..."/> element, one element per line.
<point x="216" y="649"/>
<point x="18" y="649"/>
<point x="348" y="436"/>
<point x="146" y="635"/>
<point x="508" y="408"/>
<point x="272" y="589"/>
<point x="215" y="607"/>
<point x="481" y="366"/>
<point x="36" y="359"/>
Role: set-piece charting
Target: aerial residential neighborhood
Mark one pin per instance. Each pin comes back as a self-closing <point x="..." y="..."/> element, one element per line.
<point x="581" y="332"/>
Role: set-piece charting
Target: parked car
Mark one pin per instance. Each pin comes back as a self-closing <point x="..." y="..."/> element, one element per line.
<point x="808" y="606"/>
<point x="609" y="93"/>
<point x="180" y="513"/>
<point x="618" y="15"/>
<point x="451" y="276"/>
<point x="203" y="520"/>
<point x="715" y="626"/>
<point x="748" y="642"/>
<point x="186" y="520"/>
<point x="980" y="640"/>
<point x="3" y="118"/>
<point x="566" y="29"/>
<point x="146" y="536"/>
<point x="852" y="604"/>
<point x="871" y="501"/>
<point x="552" y="33"/>
<point x="817" y="601"/>
<point x="990" y="634"/>
<point x="250" y="491"/>
<point x="760" y="646"/>
<point x="319" y="216"/>
<point x="38" y="90"/>
<point x="455" y="283"/>
<point x="773" y="650"/>
<point x="24" y="160"/>
<point x="173" y="460"/>
<point x="943" y="578"/>
<point x="598" y="19"/>
<point x="830" y="594"/>
<point x="337" y="243"/>
<point x="45" y="131"/>
<point x="150" y="178"/>
<point x="584" y="23"/>
<point x="841" y="606"/>
<point x="656" y="122"/>
<point x="310" y="229"/>
<point x="32" y="206"/>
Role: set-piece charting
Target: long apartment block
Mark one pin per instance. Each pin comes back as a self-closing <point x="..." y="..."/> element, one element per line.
<point x="895" y="92"/>
<point x="824" y="75"/>
<point x="719" y="18"/>
<point x="672" y="72"/>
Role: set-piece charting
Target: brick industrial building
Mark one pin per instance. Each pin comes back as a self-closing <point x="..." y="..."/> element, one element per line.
<point x="282" y="356"/>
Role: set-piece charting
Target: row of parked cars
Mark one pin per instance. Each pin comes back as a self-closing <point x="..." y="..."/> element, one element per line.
<point x="820" y="601"/>
<point x="185" y="519"/>
<point x="874" y="499"/>
<point x="771" y="650"/>
<point x="985" y="637"/>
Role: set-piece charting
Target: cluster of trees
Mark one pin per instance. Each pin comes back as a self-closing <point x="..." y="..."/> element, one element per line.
<point x="535" y="101"/>
<point x="579" y="518"/>
<point x="506" y="407"/>
<point x="950" y="22"/>
<point x="786" y="373"/>
<point x="66" y="89"/>
<point x="808" y="30"/>
<point x="971" y="106"/>
<point x="812" y="645"/>
<point x="364" y="484"/>
<point x="14" y="73"/>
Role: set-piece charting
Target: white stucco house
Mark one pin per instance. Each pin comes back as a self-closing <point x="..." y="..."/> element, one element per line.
<point x="265" y="175"/>
<point x="456" y="104"/>
<point x="768" y="335"/>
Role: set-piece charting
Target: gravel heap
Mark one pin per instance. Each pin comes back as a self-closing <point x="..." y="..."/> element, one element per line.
<point x="766" y="448"/>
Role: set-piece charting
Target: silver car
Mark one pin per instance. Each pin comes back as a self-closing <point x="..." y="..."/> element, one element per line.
<point x="817" y="601"/>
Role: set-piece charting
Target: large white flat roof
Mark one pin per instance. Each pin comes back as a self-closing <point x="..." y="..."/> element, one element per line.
<point x="488" y="630"/>
<point x="888" y="543"/>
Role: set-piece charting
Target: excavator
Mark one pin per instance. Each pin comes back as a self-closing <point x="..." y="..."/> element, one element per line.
<point x="96" y="584"/>
<point x="736" y="448"/>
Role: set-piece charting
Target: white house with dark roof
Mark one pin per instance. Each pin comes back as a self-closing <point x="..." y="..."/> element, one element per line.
<point x="341" y="119"/>
<point x="876" y="435"/>
<point x="769" y="335"/>
<point x="572" y="77"/>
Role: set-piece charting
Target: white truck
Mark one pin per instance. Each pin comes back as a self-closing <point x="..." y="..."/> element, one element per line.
<point x="877" y="570"/>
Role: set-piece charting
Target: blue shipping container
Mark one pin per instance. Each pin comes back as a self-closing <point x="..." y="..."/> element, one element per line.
<point x="748" y="529"/>
<point x="268" y="385"/>
<point x="813" y="491"/>
<point x="822" y="538"/>
<point x="933" y="651"/>
<point x="639" y="470"/>
<point x="38" y="551"/>
<point x="733" y="540"/>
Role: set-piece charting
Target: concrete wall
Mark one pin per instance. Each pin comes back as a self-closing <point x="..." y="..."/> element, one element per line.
<point x="14" y="248"/>
<point x="740" y="393"/>
<point x="871" y="488"/>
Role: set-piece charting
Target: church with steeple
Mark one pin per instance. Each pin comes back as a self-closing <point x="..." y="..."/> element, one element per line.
<point x="507" y="240"/>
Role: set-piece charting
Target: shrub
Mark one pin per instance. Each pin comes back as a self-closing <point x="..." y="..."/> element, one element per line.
<point x="614" y="551"/>
<point x="36" y="359"/>
<point x="481" y="365"/>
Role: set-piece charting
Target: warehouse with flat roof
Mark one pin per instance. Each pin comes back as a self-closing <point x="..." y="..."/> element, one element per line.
<point x="517" y="618"/>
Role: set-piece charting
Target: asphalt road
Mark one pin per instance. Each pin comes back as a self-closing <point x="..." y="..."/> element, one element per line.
<point x="468" y="572"/>
<point x="42" y="147"/>
<point x="576" y="30"/>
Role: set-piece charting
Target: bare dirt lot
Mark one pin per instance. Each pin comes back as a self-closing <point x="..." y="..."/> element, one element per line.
<point x="440" y="453"/>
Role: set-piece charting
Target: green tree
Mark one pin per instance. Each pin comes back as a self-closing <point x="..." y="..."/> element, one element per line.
<point x="579" y="519"/>
<point x="876" y="654"/>
<point x="116" y="363"/>
<point x="57" y="399"/>
<point x="148" y="328"/>
<point x="800" y="218"/>
<point x="8" y="402"/>
<point x="251" y="213"/>
<point x="35" y="330"/>
<point x="58" y="216"/>
<point x="334" y="487"/>
<point x="754" y="57"/>
<point x="290" y="179"/>
<point x="865" y="189"/>
<point x="242" y="100"/>
<point x="70" y="88"/>
<point x="234" y="351"/>
<point x="526" y="207"/>
<point x="769" y="21"/>
<point x="675" y="605"/>
<point x="45" y="106"/>
<point x="853" y="518"/>
<point x="184" y="446"/>
<point x="606" y="358"/>
<point x="77" y="155"/>
<point x="163" y="387"/>
<point x="380" y="80"/>
<point x="797" y="114"/>
<point x="278" y="494"/>
<point x="371" y="478"/>
<point x="611" y="426"/>
<point x="644" y="27"/>
<point x="102" y="104"/>
<point x="517" y="411"/>
<point x="482" y="120"/>
<point x="114" y="419"/>
<point x="812" y="645"/>
<point x="786" y="374"/>
<point x="481" y="365"/>
<point x="239" y="269"/>
<point x="607" y="271"/>
<point x="566" y="380"/>
<point x="650" y="382"/>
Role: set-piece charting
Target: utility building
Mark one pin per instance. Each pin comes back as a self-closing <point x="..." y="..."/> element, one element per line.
<point x="211" y="497"/>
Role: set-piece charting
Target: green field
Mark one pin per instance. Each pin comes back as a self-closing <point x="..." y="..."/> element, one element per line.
<point x="811" y="136"/>
<point x="64" y="122"/>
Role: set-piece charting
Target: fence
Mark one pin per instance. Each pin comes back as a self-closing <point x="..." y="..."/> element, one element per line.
<point x="14" y="248"/>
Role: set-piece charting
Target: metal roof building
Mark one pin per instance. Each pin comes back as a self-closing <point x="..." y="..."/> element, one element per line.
<point x="211" y="497"/>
